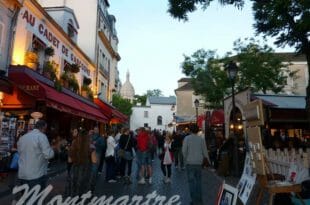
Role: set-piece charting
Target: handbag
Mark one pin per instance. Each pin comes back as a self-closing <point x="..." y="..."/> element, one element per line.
<point x="125" y="154"/>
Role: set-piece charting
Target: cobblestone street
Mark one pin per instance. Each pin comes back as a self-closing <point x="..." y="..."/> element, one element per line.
<point x="179" y="186"/>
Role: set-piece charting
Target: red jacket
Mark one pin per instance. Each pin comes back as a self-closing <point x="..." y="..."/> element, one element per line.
<point x="142" y="141"/>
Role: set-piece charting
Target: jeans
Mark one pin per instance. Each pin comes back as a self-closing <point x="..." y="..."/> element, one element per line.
<point x="194" y="182"/>
<point x="110" y="166"/>
<point x="42" y="181"/>
<point x="178" y="157"/>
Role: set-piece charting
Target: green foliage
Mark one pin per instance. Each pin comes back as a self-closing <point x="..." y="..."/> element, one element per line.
<point x="89" y="92"/>
<point x="86" y="81"/>
<point x="57" y="85"/>
<point x="140" y="99"/>
<point x="259" y="68"/>
<point x="208" y="79"/>
<point x="64" y="76"/>
<point x="49" y="68"/>
<point x="73" y="83"/>
<point x="180" y="8"/>
<point x="121" y="104"/>
<point x="289" y="22"/>
<point x="49" y="51"/>
<point x="154" y="92"/>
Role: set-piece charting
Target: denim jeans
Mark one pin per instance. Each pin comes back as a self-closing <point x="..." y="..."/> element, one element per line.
<point x="110" y="168"/>
<point x="194" y="182"/>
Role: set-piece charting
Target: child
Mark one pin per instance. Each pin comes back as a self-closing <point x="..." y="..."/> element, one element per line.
<point x="167" y="158"/>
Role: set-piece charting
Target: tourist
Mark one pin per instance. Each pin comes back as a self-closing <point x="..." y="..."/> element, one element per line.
<point x="110" y="159"/>
<point x="126" y="143"/>
<point x="195" y="154"/>
<point x="166" y="158"/>
<point x="82" y="155"/>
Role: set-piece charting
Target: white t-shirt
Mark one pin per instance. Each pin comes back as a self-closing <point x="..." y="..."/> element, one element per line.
<point x="110" y="147"/>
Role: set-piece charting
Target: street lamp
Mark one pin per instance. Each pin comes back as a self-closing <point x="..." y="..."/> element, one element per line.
<point x="196" y="102"/>
<point x="232" y="69"/>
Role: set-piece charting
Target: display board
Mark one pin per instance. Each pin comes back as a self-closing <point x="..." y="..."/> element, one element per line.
<point x="254" y="114"/>
<point x="256" y="150"/>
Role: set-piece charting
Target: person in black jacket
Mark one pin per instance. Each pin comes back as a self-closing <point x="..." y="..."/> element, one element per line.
<point x="127" y="144"/>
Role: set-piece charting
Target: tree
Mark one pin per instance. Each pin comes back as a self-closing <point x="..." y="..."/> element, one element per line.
<point x="259" y="68"/>
<point x="154" y="92"/>
<point x="123" y="105"/>
<point x="140" y="99"/>
<point x="289" y="22"/>
<point x="180" y="8"/>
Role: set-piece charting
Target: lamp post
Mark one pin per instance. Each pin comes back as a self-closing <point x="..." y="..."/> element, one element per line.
<point x="196" y="102"/>
<point x="232" y="69"/>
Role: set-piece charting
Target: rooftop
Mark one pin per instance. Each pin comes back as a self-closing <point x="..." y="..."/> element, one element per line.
<point x="283" y="101"/>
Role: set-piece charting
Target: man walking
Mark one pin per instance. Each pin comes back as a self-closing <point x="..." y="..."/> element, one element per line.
<point x="34" y="152"/>
<point x="195" y="153"/>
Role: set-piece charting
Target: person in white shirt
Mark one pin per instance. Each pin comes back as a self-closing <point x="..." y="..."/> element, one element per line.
<point x="110" y="159"/>
<point x="34" y="152"/>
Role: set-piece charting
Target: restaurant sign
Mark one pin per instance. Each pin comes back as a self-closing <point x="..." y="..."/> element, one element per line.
<point x="40" y="29"/>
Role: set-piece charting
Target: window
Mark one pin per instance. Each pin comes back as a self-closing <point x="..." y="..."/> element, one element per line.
<point x="71" y="29"/>
<point x="146" y="125"/>
<point x="159" y="120"/>
<point x="146" y="114"/>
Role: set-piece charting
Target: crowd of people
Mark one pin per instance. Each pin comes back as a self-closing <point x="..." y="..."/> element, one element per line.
<point x="89" y="150"/>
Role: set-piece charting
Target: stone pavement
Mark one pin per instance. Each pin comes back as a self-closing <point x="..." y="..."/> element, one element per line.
<point x="179" y="186"/>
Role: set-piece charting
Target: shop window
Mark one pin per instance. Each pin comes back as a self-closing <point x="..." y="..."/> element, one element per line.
<point x="146" y="114"/>
<point x="159" y="120"/>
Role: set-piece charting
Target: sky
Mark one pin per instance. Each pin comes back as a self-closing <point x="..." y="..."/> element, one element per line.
<point x="152" y="44"/>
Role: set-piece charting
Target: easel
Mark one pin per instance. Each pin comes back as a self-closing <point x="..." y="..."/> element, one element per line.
<point x="255" y="118"/>
<point x="274" y="189"/>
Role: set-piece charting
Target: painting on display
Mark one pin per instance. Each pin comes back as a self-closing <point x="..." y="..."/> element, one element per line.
<point x="247" y="181"/>
<point x="227" y="195"/>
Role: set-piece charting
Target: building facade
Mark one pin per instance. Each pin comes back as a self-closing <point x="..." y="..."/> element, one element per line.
<point x="98" y="39"/>
<point x="158" y="113"/>
<point x="185" y="98"/>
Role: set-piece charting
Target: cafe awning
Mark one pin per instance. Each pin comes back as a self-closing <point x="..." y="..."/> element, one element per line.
<point x="111" y="112"/>
<point x="32" y="82"/>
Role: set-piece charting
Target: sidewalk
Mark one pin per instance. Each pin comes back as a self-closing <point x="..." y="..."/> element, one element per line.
<point x="8" y="182"/>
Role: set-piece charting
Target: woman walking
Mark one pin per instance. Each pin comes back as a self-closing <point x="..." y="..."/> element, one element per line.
<point x="110" y="159"/>
<point x="167" y="158"/>
<point x="126" y="143"/>
<point x="82" y="156"/>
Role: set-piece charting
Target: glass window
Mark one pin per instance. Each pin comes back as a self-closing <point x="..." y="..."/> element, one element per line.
<point x="146" y="114"/>
<point x="159" y="120"/>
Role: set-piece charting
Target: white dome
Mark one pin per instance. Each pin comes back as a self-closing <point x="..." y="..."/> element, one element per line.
<point x="127" y="90"/>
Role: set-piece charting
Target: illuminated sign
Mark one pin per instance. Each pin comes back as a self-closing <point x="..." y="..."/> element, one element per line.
<point x="44" y="33"/>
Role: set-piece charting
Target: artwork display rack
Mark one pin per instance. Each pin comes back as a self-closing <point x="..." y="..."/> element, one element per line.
<point x="254" y="120"/>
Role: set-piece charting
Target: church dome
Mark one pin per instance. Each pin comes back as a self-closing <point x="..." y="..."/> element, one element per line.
<point x="127" y="90"/>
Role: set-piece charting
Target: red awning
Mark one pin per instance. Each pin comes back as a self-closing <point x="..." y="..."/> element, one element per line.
<point x="120" y="116"/>
<point x="104" y="107"/>
<point x="53" y="98"/>
<point x="113" y="114"/>
<point x="217" y="117"/>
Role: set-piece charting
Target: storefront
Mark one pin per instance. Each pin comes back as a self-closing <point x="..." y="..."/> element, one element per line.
<point x="282" y="113"/>
<point x="49" y="75"/>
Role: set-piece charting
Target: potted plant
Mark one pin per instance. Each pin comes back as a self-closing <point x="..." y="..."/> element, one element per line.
<point x="73" y="84"/>
<point x="75" y="68"/>
<point x="57" y="85"/>
<point x="64" y="79"/>
<point x="49" y="51"/>
<point x="31" y="59"/>
<point x="49" y="70"/>
<point x="86" y="91"/>
<point x="86" y="81"/>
